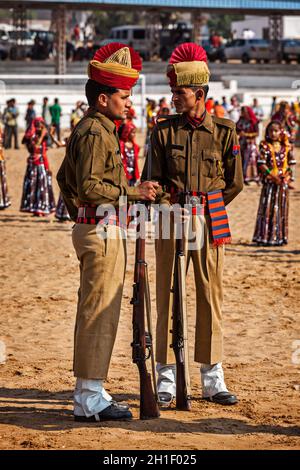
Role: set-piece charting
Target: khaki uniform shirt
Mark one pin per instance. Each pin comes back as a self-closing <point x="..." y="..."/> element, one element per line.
<point x="92" y="170"/>
<point x="203" y="159"/>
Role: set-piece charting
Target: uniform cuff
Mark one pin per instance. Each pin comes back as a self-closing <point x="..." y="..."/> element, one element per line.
<point x="133" y="194"/>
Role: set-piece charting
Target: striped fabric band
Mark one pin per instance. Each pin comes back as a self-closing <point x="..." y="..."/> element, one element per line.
<point x="219" y="220"/>
<point x="87" y="214"/>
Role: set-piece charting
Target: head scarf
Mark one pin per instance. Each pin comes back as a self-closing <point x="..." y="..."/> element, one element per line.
<point x="251" y="114"/>
<point x="126" y="131"/>
<point x="31" y="130"/>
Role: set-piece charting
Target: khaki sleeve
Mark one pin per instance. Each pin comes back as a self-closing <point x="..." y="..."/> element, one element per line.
<point x="232" y="161"/>
<point x="90" y="168"/>
<point x="65" y="192"/>
<point x="158" y="165"/>
<point x="132" y="193"/>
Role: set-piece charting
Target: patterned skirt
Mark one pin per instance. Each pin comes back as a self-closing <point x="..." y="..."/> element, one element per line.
<point x="272" y="216"/>
<point x="38" y="197"/>
<point x="61" y="212"/>
<point x="250" y="155"/>
<point x="4" y="199"/>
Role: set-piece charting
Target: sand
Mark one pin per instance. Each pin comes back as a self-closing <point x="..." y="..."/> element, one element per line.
<point x="39" y="282"/>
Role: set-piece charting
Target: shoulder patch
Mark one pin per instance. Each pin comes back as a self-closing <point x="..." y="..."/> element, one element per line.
<point x="224" y="122"/>
<point x="236" y="150"/>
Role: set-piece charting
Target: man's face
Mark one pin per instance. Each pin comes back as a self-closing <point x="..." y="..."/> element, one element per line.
<point x="184" y="99"/>
<point x="118" y="104"/>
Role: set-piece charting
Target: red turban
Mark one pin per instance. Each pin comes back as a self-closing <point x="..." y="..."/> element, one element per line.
<point x="188" y="66"/>
<point x="115" y="65"/>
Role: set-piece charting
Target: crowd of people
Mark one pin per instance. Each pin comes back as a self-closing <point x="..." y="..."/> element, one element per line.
<point x="267" y="154"/>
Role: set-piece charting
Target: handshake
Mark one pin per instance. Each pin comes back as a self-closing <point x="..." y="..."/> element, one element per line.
<point x="149" y="190"/>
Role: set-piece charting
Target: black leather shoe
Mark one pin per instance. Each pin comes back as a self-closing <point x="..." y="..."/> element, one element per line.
<point x="112" y="412"/>
<point x="223" y="398"/>
<point x="165" y="399"/>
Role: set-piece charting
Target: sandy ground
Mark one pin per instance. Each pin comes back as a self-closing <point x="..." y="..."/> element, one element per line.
<point x="39" y="281"/>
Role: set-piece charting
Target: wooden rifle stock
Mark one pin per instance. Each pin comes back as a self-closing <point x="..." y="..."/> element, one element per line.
<point x="142" y="347"/>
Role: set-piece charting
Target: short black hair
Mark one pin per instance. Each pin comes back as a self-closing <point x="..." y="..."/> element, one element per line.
<point x="94" y="89"/>
<point x="205" y="88"/>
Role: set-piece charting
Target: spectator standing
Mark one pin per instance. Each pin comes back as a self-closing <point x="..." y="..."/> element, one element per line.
<point x="47" y="118"/>
<point x="259" y="114"/>
<point x="30" y="113"/>
<point x="234" y="110"/>
<point x="56" y="113"/>
<point x="10" y="117"/>
<point x="219" y="111"/>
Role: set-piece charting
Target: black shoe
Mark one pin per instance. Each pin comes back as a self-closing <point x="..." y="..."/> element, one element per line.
<point x="112" y="412"/>
<point x="165" y="399"/>
<point x="223" y="398"/>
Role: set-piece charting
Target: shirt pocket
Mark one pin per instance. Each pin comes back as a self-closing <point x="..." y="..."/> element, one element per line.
<point x="176" y="160"/>
<point x="212" y="164"/>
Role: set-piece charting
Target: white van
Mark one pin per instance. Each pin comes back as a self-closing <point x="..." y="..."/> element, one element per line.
<point x="249" y="49"/>
<point x="138" y="37"/>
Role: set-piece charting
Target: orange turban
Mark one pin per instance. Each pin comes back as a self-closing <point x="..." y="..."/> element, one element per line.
<point x="115" y="65"/>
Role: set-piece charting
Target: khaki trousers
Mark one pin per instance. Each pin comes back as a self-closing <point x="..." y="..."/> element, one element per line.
<point x="208" y="272"/>
<point x="102" y="271"/>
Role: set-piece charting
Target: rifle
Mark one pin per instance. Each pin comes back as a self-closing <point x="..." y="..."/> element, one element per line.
<point x="179" y="325"/>
<point x="142" y="347"/>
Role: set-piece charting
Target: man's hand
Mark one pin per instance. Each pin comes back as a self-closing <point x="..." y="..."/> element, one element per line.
<point x="148" y="190"/>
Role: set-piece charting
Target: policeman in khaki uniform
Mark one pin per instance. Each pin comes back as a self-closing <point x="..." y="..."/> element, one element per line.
<point x="199" y="154"/>
<point x="90" y="176"/>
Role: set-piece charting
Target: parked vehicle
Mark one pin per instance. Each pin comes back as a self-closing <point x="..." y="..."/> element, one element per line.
<point x="250" y="49"/>
<point x="138" y="37"/>
<point x="20" y="43"/>
<point x="43" y="44"/>
<point x="291" y="50"/>
<point x="213" y="53"/>
<point x="4" y="50"/>
<point x="169" y="38"/>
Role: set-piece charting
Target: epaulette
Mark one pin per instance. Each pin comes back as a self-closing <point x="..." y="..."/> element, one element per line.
<point x="224" y="122"/>
<point x="88" y="125"/>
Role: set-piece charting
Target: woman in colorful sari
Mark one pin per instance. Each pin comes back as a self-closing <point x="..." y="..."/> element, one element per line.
<point x="275" y="162"/>
<point x="247" y="130"/>
<point x="288" y="121"/>
<point x="37" y="195"/>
